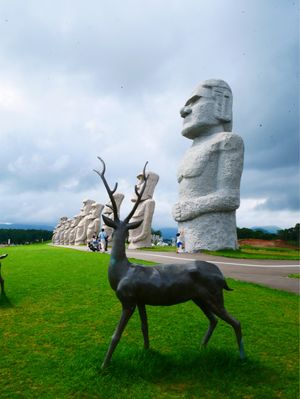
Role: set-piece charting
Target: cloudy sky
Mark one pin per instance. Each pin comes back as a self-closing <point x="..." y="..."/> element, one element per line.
<point x="86" y="78"/>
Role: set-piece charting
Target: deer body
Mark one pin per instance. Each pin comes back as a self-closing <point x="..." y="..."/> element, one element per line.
<point x="161" y="285"/>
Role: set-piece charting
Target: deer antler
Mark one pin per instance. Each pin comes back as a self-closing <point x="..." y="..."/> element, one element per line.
<point x="139" y="195"/>
<point x="109" y="191"/>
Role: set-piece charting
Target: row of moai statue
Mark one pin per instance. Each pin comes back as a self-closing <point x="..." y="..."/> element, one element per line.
<point x="80" y="229"/>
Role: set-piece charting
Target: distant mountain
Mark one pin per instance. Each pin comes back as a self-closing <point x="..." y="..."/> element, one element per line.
<point x="19" y="226"/>
<point x="268" y="229"/>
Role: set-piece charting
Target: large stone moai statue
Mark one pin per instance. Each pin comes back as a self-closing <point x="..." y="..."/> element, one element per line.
<point x="108" y="212"/>
<point x="210" y="172"/>
<point x="74" y="224"/>
<point x="83" y="224"/>
<point x="141" y="236"/>
<point x="93" y="221"/>
<point x="57" y="230"/>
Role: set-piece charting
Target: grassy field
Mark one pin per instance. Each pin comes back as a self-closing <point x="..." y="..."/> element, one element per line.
<point x="245" y="252"/>
<point x="250" y="252"/>
<point x="59" y="314"/>
<point x="294" y="275"/>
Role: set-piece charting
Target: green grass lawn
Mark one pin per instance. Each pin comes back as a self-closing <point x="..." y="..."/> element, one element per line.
<point x="245" y="252"/>
<point x="249" y="252"/>
<point x="294" y="275"/>
<point x="168" y="248"/>
<point x="59" y="314"/>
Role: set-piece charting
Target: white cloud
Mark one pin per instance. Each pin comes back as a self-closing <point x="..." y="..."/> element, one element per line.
<point x="95" y="79"/>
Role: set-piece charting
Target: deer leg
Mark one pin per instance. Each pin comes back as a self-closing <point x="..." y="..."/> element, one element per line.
<point x="144" y="321"/>
<point x="212" y="320"/>
<point x="125" y="316"/>
<point x="236" y="325"/>
<point x="1" y="283"/>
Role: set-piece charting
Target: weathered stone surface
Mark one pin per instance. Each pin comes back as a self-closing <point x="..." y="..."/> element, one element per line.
<point x="108" y="212"/>
<point x="81" y="231"/>
<point x="141" y="236"/>
<point x="210" y="172"/>
<point x="58" y="230"/>
<point x="74" y="224"/>
<point x="66" y="234"/>
<point x="94" y="221"/>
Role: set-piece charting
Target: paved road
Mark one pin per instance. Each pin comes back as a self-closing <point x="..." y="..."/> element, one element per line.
<point x="270" y="273"/>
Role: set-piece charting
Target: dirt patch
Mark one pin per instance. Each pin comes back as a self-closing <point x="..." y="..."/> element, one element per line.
<point x="255" y="242"/>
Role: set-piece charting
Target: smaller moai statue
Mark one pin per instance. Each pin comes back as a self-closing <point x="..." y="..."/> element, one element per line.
<point x="108" y="212"/>
<point x="62" y="232"/>
<point x="141" y="236"/>
<point x="93" y="221"/>
<point x="57" y="230"/>
<point x="67" y="230"/>
<point x="74" y="224"/>
<point x="83" y="224"/>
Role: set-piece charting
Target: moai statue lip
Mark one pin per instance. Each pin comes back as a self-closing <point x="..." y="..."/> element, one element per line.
<point x="210" y="173"/>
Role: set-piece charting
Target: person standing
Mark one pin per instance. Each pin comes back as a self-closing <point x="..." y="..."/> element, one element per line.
<point x="103" y="237"/>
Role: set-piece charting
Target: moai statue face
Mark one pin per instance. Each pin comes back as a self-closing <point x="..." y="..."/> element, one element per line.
<point x="96" y="210"/>
<point x="107" y="211"/>
<point x="151" y="183"/>
<point x="208" y="107"/>
<point x="62" y="221"/>
<point x="87" y="204"/>
<point x="75" y="220"/>
<point x="68" y="223"/>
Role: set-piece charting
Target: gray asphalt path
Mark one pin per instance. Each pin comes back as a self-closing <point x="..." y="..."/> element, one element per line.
<point x="270" y="273"/>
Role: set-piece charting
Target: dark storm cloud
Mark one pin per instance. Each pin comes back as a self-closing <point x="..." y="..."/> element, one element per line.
<point x="108" y="78"/>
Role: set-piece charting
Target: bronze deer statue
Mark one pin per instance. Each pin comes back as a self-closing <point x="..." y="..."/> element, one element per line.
<point x="1" y="278"/>
<point x="160" y="285"/>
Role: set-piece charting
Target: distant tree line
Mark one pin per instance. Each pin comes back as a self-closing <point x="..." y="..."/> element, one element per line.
<point x="291" y="234"/>
<point x="18" y="236"/>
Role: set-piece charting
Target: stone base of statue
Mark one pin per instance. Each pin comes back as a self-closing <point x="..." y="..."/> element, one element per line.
<point x="211" y="231"/>
<point x="140" y="244"/>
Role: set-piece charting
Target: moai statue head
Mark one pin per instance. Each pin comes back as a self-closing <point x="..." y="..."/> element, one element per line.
<point x="95" y="210"/>
<point x="108" y="212"/>
<point x="76" y="219"/>
<point x="208" y="109"/>
<point x="62" y="220"/>
<point x="151" y="183"/>
<point x="87" y="204"/>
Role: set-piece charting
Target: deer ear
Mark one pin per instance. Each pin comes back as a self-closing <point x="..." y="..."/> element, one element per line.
<point x="134" y="225"/>
<point x="109" y="222"/>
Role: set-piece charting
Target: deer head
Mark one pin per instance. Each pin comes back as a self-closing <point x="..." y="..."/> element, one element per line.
<point x="116" y="223"/>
